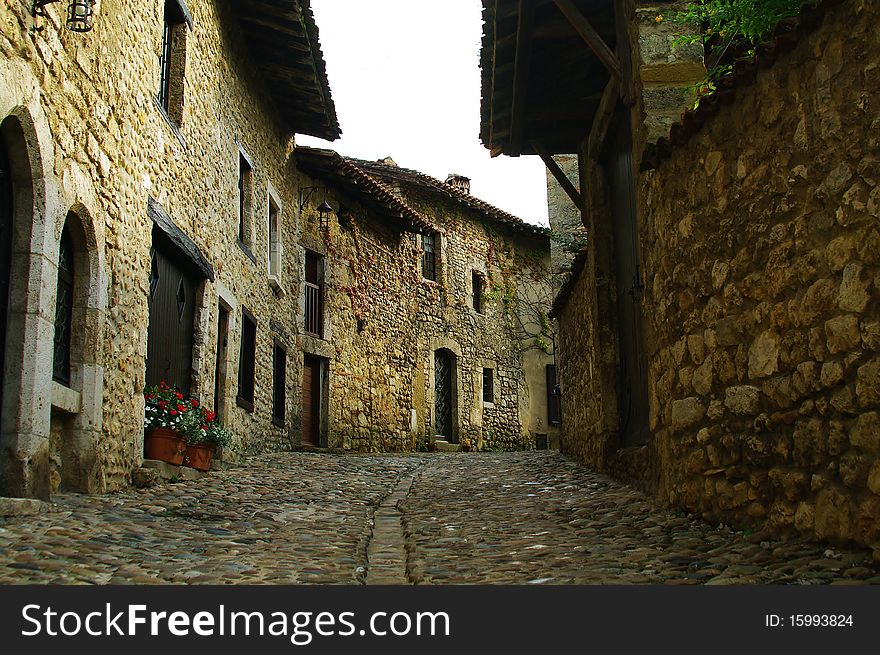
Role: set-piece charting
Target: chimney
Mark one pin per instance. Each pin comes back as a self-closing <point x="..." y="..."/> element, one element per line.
<point x="460" y="182"/>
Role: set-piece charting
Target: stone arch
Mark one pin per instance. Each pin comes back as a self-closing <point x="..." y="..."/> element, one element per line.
<point x="24" y="414"/>
<point x="77" y="402"/>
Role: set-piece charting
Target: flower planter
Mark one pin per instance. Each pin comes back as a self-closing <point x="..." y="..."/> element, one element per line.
<point x="165" y="445"/>
<point x="200" y="457"/>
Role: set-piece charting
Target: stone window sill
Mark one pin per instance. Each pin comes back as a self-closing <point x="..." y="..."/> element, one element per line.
<point x="66" y="399"/>
<point x="246" y="250"/>
<point x="275" y="284"/>
<point x="245" y="404"/>
<point x="488" y="405"/>
<point x="175" y="128"/>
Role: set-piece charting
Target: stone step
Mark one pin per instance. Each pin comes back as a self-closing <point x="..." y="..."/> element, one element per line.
<point x="443" y="446"/>
<point x="23" y="507"/>
<point x="170" y="472"/>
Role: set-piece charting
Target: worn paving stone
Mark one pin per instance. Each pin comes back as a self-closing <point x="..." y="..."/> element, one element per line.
<point x="540" y="518"/>
<point x="287" y="518"/>
<point x="299" y="518"/>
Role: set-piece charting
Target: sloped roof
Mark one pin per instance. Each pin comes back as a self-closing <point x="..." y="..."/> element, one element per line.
<point x="541" y="83"/>
<point x="432" y="184"/>
<point x="343" y="174"/>
<point x="283" y="39"/>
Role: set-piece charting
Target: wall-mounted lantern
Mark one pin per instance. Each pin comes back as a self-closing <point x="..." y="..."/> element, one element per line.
<point x="324" y="212"/>
<point x="324" y="209"/>
<point x="80" y="14"/>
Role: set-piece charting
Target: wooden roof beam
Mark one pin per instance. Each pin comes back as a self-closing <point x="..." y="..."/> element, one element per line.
<point x="590" y="36"/>
<point x="561" y="177"/>
<point x="522" y="65"/>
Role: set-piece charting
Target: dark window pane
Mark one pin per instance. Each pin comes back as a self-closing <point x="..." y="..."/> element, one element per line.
<point x="165" y="65"/>
<point x="477" y="285"/>
<point x="429" y="257"/>
<point x="279" y="396"/>
<point x="63" y="311"/>
<point x="244" y="191"/>
<point x="246" y="367"/>
<point x="488" y="385"/>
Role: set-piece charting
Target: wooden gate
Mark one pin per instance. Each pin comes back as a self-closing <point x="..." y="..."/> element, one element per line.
<point x="172" y="312"/>
<point x="633" y="387"/>
<point x="444" y="367"/>
<point x="6" y="236"/>
<point x="311" y="401"/>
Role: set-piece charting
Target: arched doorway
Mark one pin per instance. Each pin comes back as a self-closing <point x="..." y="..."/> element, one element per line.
<point x="444" y="395"/>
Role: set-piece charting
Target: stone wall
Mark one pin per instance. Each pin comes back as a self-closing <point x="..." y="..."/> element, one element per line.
<point x="565" y="217"/>
<point x="87" y="135"/>
<point x="381" y="376"/>
<point x="759" y="241"/>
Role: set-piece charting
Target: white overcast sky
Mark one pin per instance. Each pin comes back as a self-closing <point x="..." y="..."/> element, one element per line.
<point x="405" y="78"/>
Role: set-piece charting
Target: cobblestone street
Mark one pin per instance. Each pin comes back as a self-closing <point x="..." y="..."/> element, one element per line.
<point x="297" y="518"/>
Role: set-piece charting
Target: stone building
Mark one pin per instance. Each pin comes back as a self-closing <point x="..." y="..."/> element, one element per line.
<point x="151" y="205"/>
<point x="150" y="225"/>
<point x="431" y="324"/>
<point x="718" y="333"/>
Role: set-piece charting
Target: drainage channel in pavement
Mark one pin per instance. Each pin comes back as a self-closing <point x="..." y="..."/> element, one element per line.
<point x="386" y="554"/>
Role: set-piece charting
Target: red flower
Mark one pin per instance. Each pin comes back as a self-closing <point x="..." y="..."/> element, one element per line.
<point x="195" y="403"/>
<point x="179" y="395"/>
<point x="181" y="408"/>
<point x="162" y="404"/>
<point x="173" y="412"/>
<point x="210" y="416"/>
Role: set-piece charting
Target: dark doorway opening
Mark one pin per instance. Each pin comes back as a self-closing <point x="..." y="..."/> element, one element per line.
<point x="444" y="395"/>
<point x="312" y="400"/>
<point x="220" y="364"/>
<point x="6" y="236"/>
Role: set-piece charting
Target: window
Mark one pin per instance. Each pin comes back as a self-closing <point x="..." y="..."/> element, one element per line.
<point x="245" y="198"/>
<point x="488" y="385"/>
<point x="429" y="256"/>
<point x="477" y="290"/>
<point x="63" y="310"/>
<point x="247" y="360"/>
<point x="172" y="61"/>
<point x="274" y="240"/>
<point x="314" y="292"/>
<point x="279" y="391"/>
<point x="554" y="400"/>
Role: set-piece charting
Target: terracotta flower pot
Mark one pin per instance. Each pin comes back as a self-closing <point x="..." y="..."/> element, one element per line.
<point x="165" y="445"/>
<point x="200" y="457"/>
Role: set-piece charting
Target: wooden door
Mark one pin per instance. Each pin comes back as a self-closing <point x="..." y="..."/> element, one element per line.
<point x="443" y="393"/>
<point x="633" y="387"/>
<point x="311" y="401"/>
<point x="6" y="236"/>
<point x="172" y="312"/>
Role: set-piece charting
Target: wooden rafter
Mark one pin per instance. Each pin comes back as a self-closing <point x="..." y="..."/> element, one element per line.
<point x="560" y="176"/>
<point x="624" y="54"/>
<point x="602" y="119"/>
<point x="592" y="38"/>
<point x="523" y="60"/>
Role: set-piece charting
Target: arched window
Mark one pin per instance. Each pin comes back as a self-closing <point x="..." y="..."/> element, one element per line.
<point x="64" y="310"/>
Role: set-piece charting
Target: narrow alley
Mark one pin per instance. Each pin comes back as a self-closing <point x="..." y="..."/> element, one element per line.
<point x="504" y="518"/>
